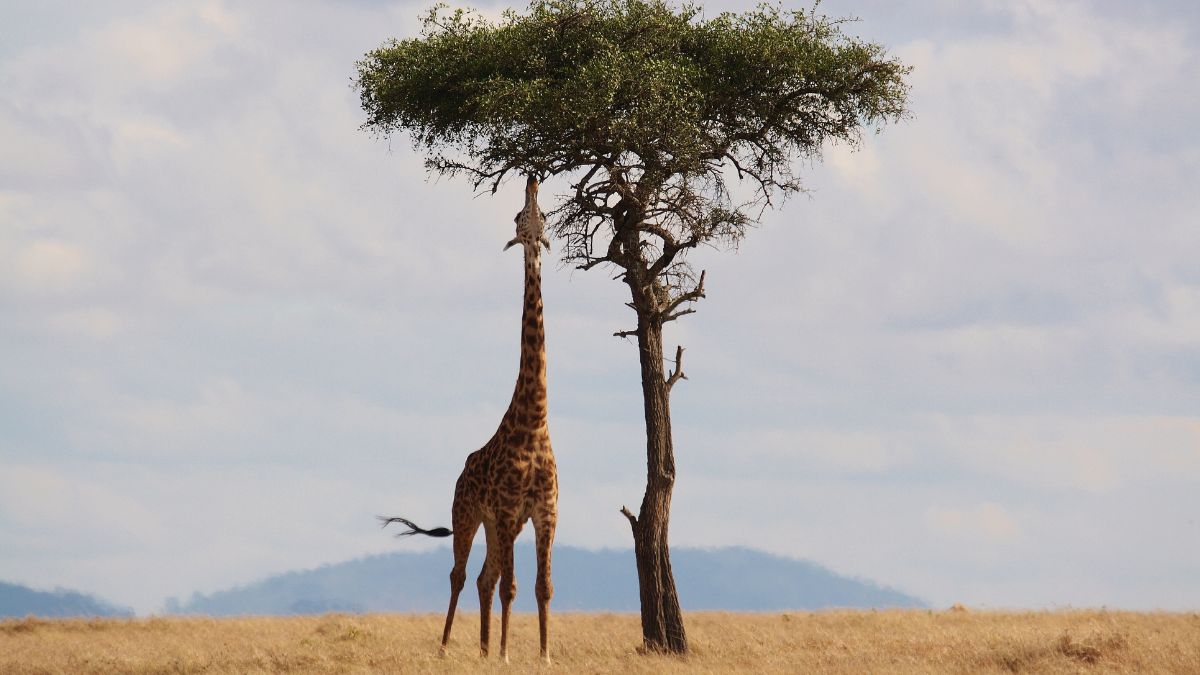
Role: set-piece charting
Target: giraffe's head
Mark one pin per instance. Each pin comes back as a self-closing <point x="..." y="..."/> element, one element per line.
<point x="531" y="222"/>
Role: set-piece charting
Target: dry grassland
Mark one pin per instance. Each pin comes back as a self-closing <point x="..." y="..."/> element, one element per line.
<point x="795" y="642"/>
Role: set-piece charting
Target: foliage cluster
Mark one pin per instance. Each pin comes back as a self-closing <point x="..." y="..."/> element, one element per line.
<point x="651" y="107"/>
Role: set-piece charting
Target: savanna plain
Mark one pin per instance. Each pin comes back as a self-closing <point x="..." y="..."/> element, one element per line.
<point x="910" y="641"/>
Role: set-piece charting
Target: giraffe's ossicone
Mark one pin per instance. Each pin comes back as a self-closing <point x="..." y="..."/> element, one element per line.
<point x="512" y="478"/>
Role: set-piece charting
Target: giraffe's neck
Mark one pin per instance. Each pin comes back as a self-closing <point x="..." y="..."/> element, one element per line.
<point x="528" y="407"/>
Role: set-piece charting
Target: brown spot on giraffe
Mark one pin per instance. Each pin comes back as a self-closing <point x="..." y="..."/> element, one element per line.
<point x="512" y="478"/>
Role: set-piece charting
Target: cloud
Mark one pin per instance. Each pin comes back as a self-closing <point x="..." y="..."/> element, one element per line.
<point x="58" y="512"/>
<point x="150" y="532"/>
<point x="48" y="265"/>
<point x="987" y="522"/>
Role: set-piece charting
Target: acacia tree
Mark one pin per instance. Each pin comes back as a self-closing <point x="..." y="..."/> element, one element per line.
<point x="654" y="112"/>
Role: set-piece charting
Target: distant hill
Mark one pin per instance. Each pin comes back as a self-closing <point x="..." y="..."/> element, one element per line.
<point x="20" y="601"/>
<point x="723" y="579"/>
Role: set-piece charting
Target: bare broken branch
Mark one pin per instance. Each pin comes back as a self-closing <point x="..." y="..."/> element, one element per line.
<point x="633" y="522"/>
<point x="677" y="374"/>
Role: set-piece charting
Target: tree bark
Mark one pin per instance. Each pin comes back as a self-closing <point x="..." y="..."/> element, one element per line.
<point x="662" y="620"/>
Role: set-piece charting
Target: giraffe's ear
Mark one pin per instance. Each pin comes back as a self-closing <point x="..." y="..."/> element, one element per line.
<point x="545" y="242"/>
<point x="509" y="245"/>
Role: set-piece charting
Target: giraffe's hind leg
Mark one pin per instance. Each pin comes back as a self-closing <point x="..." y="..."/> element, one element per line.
<point x="543" y="527"/>
<point x="487" y="586"/>
<point x="464" y="534"/>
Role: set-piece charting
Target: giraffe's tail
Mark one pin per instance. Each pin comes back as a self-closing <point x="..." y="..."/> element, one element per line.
<point x="413" y="528"/>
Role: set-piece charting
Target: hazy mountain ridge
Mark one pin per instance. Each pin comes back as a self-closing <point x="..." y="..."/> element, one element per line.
<point x="17" y="600"/>
<point x="737" y="578"/>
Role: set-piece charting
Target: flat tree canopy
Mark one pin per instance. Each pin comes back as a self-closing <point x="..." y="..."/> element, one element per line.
<point x="623" y="88"/>
<point x="651" y="110"/>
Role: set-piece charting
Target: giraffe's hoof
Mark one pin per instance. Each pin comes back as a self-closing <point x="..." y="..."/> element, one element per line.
<point x="442" y="652"/>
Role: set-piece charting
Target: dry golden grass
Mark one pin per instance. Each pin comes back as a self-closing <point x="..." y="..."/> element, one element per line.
<point x="795" y="642"/>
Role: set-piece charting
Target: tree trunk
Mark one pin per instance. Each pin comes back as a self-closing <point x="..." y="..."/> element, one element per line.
<point x="662" y="621"/>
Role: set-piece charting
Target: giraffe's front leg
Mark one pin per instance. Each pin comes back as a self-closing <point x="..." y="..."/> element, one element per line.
<point x="544" y="530"/>
<point x="508" y="583"/>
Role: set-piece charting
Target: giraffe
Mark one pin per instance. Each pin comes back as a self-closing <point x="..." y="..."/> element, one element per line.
<point x="512" y="478"/>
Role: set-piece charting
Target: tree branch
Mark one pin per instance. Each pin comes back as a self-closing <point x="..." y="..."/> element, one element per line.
<point x="676" y="315"/>
<point x="592" y="262"/>
<point x="677" y="374"/>
<point x="667" y="238"/>
<point x="633" y="522"/>
<point x="669" y="313"/>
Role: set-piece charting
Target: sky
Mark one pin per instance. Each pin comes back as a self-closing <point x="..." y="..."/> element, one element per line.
<point x="236" y="327"/>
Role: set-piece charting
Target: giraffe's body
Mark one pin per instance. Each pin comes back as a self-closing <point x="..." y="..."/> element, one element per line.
<point x="512" y="478"/>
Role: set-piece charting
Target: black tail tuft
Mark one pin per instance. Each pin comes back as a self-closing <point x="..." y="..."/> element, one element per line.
<point x="413" y="528"/>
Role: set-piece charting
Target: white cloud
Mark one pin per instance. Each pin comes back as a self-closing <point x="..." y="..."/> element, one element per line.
<point x="140" y="534"/>
<point x="59" y="513"/>
<point x="162" y="50"/>
<point x="805" y="448"/>
<point x="50" y="266"/>
<point x="988" y="523"/>
<point x="97" y="323"/>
